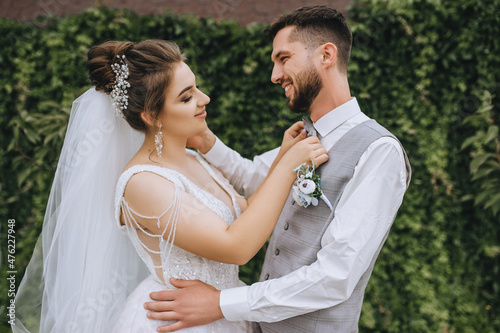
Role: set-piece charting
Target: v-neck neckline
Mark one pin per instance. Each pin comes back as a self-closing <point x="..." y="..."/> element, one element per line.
<point x="235" y="210"/>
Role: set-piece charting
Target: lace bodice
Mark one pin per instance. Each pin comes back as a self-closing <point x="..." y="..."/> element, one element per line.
<point x="163" y="259"/>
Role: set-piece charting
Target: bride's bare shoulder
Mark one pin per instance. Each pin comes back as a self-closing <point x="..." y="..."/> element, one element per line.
<point x="149" y="191"/>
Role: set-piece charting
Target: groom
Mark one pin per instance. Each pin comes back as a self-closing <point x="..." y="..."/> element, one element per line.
<point x="319" y="260"/>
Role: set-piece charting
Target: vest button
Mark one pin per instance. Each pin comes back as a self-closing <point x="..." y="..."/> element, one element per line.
<point x="266" y="277"/>
<point x="286" y="226"/>
<point x="277" y="252"/>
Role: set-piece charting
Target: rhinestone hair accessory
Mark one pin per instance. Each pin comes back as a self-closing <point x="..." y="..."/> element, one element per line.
<point x="119" y="94"/>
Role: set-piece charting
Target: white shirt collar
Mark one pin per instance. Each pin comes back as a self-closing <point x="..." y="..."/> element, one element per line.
<point x="337" y="117"/>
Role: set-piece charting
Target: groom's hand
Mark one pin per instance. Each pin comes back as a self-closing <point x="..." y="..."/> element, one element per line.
<point x="194" y="303"/>
<point x="203" y="141"/>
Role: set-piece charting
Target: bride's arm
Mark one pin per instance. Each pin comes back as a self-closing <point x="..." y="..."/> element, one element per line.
<point x="244" y="174"/>
<point x="200" y="231"/>
<point x="292" y="135"/>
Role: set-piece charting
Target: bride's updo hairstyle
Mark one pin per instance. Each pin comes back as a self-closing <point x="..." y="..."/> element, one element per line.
<point x="150" y="64"/>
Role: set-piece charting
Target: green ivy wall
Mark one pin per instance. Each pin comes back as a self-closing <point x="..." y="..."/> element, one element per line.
<point x="418" y="67"/>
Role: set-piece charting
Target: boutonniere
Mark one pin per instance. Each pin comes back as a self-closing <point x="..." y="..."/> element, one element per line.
<point x="306" y="189"/>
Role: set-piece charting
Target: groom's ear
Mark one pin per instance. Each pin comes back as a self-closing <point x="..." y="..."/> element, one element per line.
<point x="328" y="53"/>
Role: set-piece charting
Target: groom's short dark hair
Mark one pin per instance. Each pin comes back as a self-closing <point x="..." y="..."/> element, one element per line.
<point x="315" y="26"/>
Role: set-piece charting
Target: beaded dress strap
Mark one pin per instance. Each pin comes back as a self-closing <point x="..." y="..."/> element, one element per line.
<point x="132" y="226"/>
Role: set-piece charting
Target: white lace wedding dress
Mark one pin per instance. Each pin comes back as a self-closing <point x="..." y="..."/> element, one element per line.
<point x="165" y="260"/>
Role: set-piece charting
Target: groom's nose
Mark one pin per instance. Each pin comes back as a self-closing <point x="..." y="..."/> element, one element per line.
<point x="277" y="73"/>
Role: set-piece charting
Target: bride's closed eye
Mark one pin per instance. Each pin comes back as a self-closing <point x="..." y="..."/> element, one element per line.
<point x="187" y="99"/>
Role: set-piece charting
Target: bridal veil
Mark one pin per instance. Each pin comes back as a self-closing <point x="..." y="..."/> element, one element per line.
<point x="83" y="267"/>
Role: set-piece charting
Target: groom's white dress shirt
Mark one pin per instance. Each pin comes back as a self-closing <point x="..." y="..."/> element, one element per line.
<point x="362" y="217"/>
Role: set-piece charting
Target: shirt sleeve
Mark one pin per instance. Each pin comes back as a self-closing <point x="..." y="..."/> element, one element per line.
<point x="245" y="175"/>
<point x="363" y="216"/>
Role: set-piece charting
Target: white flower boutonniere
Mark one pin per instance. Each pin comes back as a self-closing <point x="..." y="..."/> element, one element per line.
<point x="306" y="189"/>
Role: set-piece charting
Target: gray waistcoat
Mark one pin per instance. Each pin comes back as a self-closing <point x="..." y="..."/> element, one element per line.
<point x="297" y="236"/>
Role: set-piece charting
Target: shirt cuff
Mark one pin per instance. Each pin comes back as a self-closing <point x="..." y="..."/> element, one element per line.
<point x="234" y="303"/>
<point x="216" y="154"/>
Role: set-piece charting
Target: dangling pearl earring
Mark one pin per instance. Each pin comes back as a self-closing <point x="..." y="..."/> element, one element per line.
<point x="159" y="141"/>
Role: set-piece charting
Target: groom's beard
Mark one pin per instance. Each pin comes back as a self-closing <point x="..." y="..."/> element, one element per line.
<point x="308" y="85"/>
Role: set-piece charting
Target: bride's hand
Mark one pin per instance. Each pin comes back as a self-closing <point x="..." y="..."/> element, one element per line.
<point x="293" y="134"/>
<point x="305" y="151"/>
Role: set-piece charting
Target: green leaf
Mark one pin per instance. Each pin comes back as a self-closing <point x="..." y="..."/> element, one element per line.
<point x="32" y="136"/>
<point x="22" y="175"/>
<point x="481" y="198"/>
<point x="470" y="140"/>
<point x="476" y="163"/>
<point x="492" y="133"/>
<point x="483" y="172"/>
<point x="494" y="201"/>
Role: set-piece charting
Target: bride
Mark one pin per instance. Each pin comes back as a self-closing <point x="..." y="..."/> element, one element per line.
<point x="173" y="215"/>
